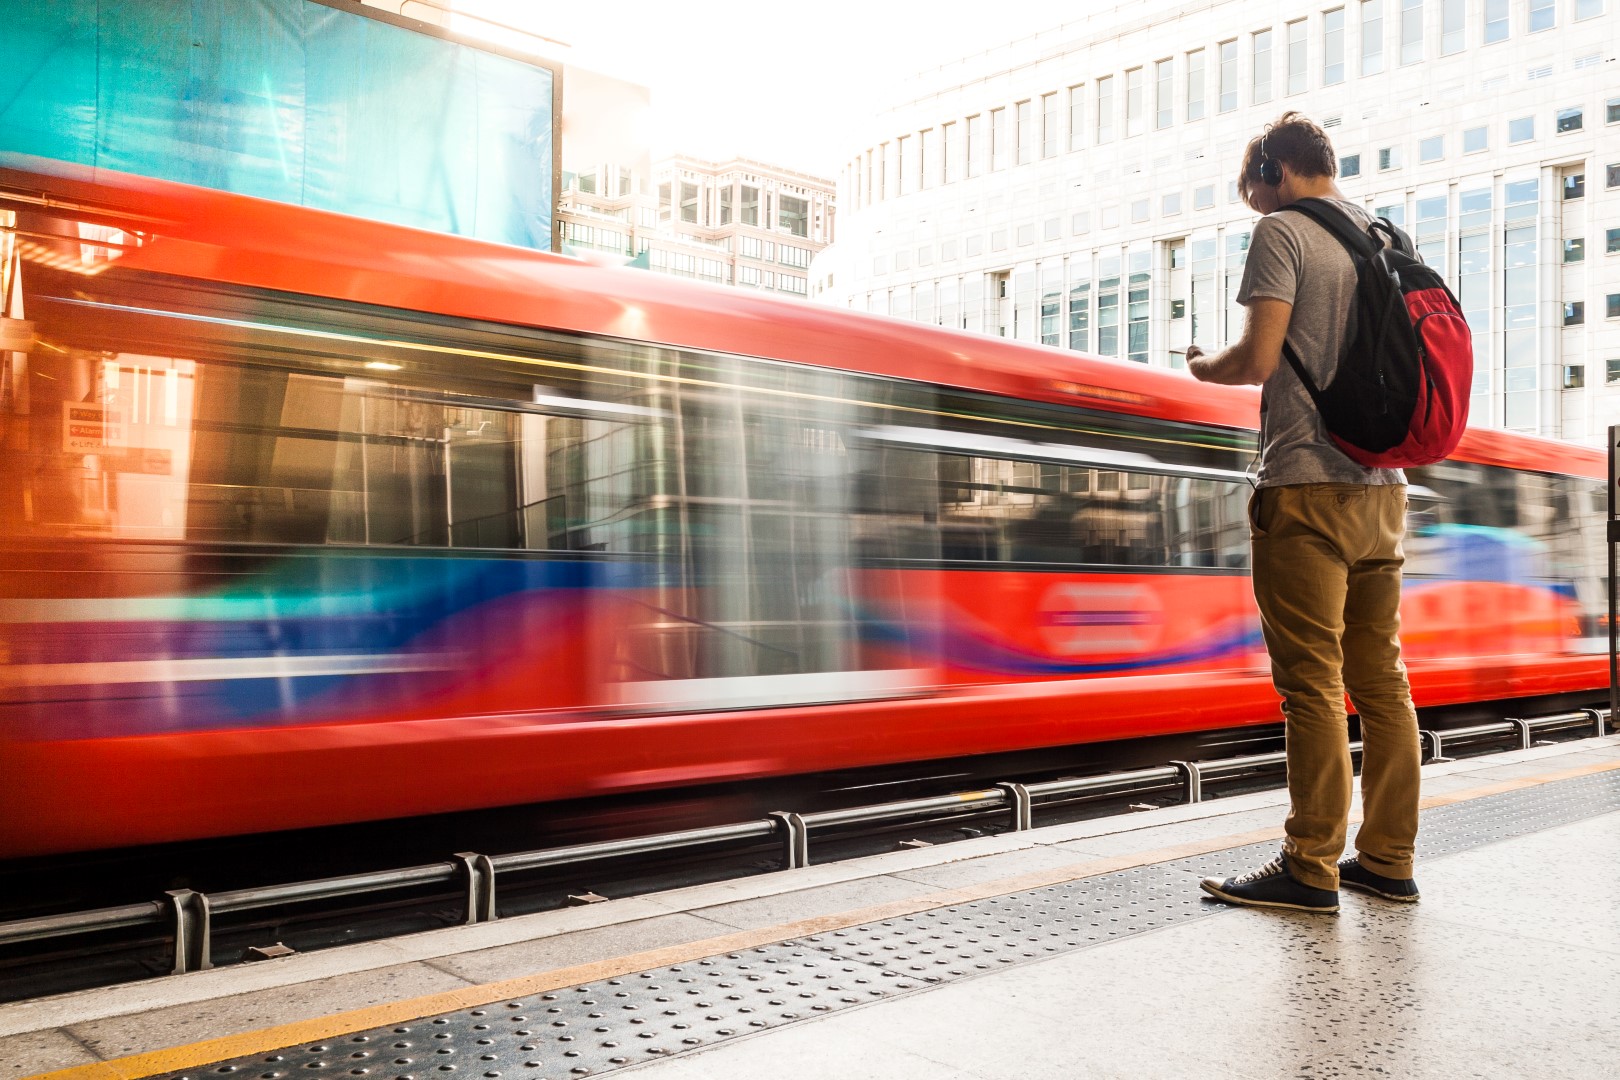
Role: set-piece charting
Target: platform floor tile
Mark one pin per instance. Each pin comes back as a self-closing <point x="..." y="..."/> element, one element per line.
<point x="39" y="1051"/>
<point x="1461" y="985"/>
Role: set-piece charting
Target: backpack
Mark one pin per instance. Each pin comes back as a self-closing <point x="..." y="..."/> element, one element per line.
<point x="1400" y="395"/>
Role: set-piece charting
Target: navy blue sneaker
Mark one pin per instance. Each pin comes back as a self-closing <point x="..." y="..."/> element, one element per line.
<point x="1352" y="875"/>
<point x="1272" y="886"/>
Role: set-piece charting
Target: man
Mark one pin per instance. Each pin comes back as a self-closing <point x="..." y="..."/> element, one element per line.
<point x="1326" y="541"/>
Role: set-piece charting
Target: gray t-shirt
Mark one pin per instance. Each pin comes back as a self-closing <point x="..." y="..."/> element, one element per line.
<point x="1294" y="259"/>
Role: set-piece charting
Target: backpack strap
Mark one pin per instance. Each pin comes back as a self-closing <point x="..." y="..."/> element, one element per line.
<point x="1304" y="377"/>
<point x="1355" y="239"/>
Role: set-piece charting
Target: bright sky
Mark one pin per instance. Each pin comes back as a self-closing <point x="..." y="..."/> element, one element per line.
<point x="784" y="83"/>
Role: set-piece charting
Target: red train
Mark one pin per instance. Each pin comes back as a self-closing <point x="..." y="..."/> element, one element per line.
<point x="309" y="519"/>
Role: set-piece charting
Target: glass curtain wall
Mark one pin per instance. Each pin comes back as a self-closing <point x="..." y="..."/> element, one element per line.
<point x="1474" y="291"/>
<point x="1520" y="293"/>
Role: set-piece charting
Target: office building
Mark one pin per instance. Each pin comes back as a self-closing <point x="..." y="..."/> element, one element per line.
<point x="1077" y="188"/>
<point x="737" y="222"/>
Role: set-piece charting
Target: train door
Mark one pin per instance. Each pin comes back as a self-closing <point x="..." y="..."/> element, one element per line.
<point x="750" y="592"/>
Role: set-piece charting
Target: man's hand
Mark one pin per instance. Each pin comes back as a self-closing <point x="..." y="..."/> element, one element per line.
<point x="1254" y="356"/>
<point x="1197" y="370"/>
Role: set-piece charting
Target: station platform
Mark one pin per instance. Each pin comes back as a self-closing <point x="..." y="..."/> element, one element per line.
<point x="1084" y="949"/>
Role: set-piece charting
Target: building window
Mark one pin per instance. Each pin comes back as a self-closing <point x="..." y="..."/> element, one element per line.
<point x="726" y="194"/>
<point x="1611" y="305"/>
<point x="1614" y="110"/>
<point x="903" y="169"/>
<point x="1574" y="186"/>
<point x="1431" y="232"/>
<point x="1105" y="108"/>
<point x="1349" y="165"/>
<point x="928" y="163"/>
<point x="689" y="202"/>
<point x="1372" y="36"/>
<point x="1522" y="130"/>
<point x="1138" y="306"/>
<point x="1496" y="21"/>
<point x="1141" y="209"/>
<point x="1333" y="46"/>
<point x="1611" y="176"/>
<point x="1296" y="56"/>
<point x="1574" y="312"/>
<point x="1049" y="125"/>
<point x="1108" y="305"/>
<point x="1476" y="139"/>
<point x="1389" y="158"/>
<point x="975" y="145"/>
<point x="1543" y="15"/>
<point x="1520" y="275"/>
<point x="1077" y="116"/>
<point x="1411" y="31"/>
<point x="1453" y="26"/>
<point x="1025" y="235"/>
<point x="1569" y="120"/>
<point x="748" y="206"/>
<point x="1611" y="242"/>
<point x="998" y="139"/>
<point x="1229" y="76"/>
<point x="1574" y="376"/>
<point x="1165" y="93"/>
<point x="1134" y="104"/>
<point x="1170" y="204"/>
<point x="1079" y="308"/>
<point x="1053" y="229"/>
<point x="1575" y="249"/>
<point x="1613" y="375"/>
<point x="1204" y="199"/>
<point x="1588" y="9"/>
<point x="1195" y="85"/>
<point x="1262" y="66"/>
<point x="1024" y="132"/>
<point x="1431" y="149"/>
<point x="792" y="216"/>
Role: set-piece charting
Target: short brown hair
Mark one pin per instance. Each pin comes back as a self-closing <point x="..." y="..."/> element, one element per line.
<point x="1291" y="140"/>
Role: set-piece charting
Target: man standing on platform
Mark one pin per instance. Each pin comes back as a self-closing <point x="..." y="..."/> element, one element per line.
<point x="1326" y="540"/>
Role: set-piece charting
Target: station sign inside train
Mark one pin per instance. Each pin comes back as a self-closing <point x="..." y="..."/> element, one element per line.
<point x="88" y="428"/>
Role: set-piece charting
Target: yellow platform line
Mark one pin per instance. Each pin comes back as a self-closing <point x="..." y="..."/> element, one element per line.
<point x="333" y="1025"/>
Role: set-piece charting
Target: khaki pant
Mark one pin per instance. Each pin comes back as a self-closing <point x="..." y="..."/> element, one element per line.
<point x="1327" y="575"/>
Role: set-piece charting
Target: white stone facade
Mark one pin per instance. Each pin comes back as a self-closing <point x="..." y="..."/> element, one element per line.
<point x="1077" y="187"/>
<point x="737" y="222"/>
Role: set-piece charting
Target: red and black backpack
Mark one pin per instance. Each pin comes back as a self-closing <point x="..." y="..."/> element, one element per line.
<point x="1400" y="394"/>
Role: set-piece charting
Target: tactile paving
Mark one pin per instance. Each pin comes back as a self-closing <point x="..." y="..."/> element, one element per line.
<point x="592" y="1029"/>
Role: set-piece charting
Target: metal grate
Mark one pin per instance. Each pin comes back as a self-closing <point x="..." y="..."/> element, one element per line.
<point x="592" y="1029"/>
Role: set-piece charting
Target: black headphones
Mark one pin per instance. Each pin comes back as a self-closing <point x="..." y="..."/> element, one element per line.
<point x="1270" y="169"/>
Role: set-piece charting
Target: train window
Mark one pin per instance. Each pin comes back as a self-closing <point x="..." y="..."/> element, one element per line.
<point x="1001" y="511"/>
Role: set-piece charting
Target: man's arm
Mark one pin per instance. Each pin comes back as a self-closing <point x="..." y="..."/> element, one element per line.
<point x="1255" y="355"/>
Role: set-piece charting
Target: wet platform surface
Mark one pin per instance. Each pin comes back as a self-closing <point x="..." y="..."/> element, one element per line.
<point x="1081" y="949"/>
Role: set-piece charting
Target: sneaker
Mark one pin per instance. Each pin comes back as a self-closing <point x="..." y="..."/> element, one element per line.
<point x="1352" y="875"/>
<point x="1271" y="886"/>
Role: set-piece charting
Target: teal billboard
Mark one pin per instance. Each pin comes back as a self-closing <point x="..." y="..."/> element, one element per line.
<point x="289" y="100"/>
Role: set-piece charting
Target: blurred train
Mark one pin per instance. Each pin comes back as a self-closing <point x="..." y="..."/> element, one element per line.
<point x="307" y="519"/>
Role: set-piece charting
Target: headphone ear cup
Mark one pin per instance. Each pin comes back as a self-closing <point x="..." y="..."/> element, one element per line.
<point x="1270" y="173"/>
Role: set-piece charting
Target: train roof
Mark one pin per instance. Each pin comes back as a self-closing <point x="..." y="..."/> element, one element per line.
<point x="236" y="239"/>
